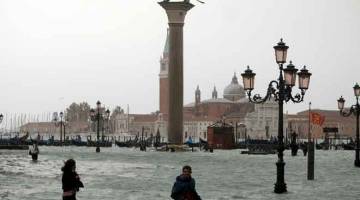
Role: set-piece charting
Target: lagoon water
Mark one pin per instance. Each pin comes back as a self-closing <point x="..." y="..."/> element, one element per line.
<point x="126" y="173"/>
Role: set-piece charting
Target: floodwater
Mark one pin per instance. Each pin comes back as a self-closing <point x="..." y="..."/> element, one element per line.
<point x="126" y="173"/>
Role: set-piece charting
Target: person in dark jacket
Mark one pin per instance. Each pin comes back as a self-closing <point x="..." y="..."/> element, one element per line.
<point x="70" y="180"/>
<point x="184" y="186"/>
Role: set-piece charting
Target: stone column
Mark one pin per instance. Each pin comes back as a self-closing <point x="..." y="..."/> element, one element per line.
<point x="176" y="12"/>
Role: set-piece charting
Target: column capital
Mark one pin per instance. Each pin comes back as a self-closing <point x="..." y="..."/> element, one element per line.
<point x="176" y="11"/>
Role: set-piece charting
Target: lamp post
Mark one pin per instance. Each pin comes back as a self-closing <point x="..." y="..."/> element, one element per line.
<point x="355" y="110"/>
<point x="96" y="116"/>
<point x="1" y="118"/>
<point x="60" y="122"/>
<point x="281" y="90"/>
<point x="107" y="116"/>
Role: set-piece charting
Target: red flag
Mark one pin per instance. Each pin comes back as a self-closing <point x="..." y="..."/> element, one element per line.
<point x="316" y="118"/>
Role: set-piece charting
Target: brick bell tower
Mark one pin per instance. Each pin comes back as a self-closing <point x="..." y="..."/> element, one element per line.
<point x="164" y="79"/>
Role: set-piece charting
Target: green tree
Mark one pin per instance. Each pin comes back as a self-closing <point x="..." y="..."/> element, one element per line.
<point x="78" y="112"/>
<point x="84" y="111"/>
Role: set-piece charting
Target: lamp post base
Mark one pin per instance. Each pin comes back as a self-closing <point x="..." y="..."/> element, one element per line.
<point x="280" y="188"/>
<point x="97" y="149"/>
<point x="280" y="185"/>
<point x="357" y="160"/>
<point x="357" y="163"/>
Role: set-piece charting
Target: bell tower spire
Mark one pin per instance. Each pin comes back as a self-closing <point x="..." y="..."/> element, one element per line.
<point x="163" y="78"/>
<point x="214" y="93"/>
<point x="164" y="60"/>
<point x="197" y="95"/>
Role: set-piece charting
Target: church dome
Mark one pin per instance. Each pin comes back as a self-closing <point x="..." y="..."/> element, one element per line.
<point x="234" y="91"/>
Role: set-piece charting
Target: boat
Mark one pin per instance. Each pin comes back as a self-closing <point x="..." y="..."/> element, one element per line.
<point x="15" y="143"/>
<point x="260" y="149"/>
<point x="175" y="148"/>
<point x="14" y="147"/>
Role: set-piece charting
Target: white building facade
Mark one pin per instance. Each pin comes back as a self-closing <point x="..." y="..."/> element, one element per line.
<point x="263" y="122"/>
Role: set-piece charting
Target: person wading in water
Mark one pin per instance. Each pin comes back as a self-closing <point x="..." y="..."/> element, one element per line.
<point x="184" y="186"/>
<point x="70" y="180"/>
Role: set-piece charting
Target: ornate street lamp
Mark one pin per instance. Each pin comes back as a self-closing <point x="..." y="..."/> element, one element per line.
<point x="290" y="74"/>
<point x="281" y="52"/>
<point x="304" y="78"/>
<point x="355" y="110"/>
<point x="281" y="90"/>
<point x="248" y="79"/>
<point x="96" y="116"/>
<point x="341" y="102"/>
<point x="60" y="122"/>
<point x="357" y="90"/>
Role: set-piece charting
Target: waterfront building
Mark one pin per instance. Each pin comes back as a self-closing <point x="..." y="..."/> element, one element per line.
<point x="262" y="122"/>
<point x="48" y="128"/>
<point x="135" y="124"/>
<point x="299" y="123"/>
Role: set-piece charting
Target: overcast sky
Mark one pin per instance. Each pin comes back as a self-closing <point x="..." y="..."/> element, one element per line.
<point x="53" y="52"/>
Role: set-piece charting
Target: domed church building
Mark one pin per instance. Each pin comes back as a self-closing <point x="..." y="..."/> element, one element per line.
<point x="217" y="108"/>
<point x="234" y="91"/>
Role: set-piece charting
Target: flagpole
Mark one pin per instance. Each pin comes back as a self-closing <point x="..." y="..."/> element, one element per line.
<point x="311" y="154"/>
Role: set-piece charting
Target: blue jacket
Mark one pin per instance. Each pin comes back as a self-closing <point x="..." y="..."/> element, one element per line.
<point x="184" y="189"/>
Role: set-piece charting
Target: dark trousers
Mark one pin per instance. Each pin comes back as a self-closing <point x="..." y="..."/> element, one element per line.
<point x="73" y="197"/>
